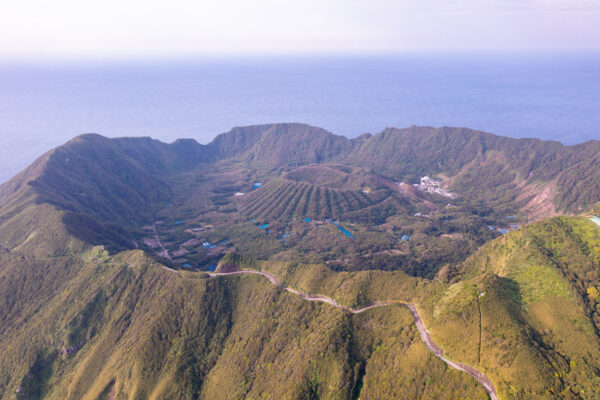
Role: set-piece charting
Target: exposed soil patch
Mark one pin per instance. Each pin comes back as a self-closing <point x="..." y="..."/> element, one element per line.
<point x="538" y="203"/>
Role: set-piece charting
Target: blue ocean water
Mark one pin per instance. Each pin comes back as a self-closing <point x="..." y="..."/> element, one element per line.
<point x="550" y="97"/>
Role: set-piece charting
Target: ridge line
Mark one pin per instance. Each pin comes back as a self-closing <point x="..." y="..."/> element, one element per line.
<point x="423" y="332"/>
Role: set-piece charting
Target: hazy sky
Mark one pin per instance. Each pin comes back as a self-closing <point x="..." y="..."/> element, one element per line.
<point x="151" y="28"/>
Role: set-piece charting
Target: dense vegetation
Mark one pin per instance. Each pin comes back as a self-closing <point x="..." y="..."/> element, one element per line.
<point x="113" y="188"/>
<point x="532" y="296"/>
<point x="102" y="243"/>
<point x="99" y="324"/>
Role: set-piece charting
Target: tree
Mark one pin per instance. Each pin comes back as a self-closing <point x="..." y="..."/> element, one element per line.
<point x="592" y="293"/>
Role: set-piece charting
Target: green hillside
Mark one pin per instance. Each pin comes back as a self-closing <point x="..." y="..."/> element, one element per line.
<point x="123" y="324"/>
<point x="531" y="297"/>
<point x="285" y="199"/>
<point x="106" y="247"/>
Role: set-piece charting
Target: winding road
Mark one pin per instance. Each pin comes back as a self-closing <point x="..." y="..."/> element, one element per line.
<point x="425" y="336"/>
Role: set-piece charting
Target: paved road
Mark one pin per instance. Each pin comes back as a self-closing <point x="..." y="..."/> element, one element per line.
<point x="309" y="297"/>
<point x="439" y="352"/>
<point x="425" y="336"/>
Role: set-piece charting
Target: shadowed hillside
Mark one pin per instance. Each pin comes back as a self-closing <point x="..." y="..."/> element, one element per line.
<point x="118" y="180"/>
<point x="125" y="325"/>
<point x="113" y="191"/>
<point x="486" y="166"/>
<point x="280" y="144"/>
<point x="106" y="247"/>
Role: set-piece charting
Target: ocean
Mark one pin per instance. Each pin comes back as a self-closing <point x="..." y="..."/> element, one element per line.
<point x="545" y="96"/>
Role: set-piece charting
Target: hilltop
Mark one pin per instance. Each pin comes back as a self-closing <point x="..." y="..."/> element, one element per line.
<point x="105" y="244"/>
<point x="118" y="192"/>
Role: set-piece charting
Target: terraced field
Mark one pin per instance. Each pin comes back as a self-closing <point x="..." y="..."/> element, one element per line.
<point x="285" y="199"/>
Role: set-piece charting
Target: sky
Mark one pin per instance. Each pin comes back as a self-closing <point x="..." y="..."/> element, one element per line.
<point x="66" y="29"/>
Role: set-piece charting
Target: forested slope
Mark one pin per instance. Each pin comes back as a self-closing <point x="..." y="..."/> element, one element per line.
<point x="86" y="315"/>
<point x="100" y="324"/>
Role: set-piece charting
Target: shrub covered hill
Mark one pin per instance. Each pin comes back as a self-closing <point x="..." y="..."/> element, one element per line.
<point x="109" y="249"/>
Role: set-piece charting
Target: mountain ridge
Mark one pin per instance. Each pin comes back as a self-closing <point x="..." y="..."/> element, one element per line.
<point x="413" y="148"/>
<point x="107" y="246"/>
<point x="124" y="182"/>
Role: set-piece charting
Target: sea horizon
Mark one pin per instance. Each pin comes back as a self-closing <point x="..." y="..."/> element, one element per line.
<point x="550" y="96"/>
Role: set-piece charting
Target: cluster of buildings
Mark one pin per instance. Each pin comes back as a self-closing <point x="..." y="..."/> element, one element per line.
<point x="432" y="186"/>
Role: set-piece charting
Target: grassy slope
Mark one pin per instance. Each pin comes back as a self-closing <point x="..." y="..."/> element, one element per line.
<point x="353" y="289"/>
<point x="486" y="166"/>
<point x="284" y="200"/>
<point x="493" y="168"/>
<point x="535" y="329"/>
<point x="83" y="323"/>
<point x="79" y="323"/>
<point x="95" y="322"/>
<point x="122" y="180"/>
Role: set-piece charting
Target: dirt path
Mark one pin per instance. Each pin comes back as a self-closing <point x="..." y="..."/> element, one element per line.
<point x="425" y="336"/>
<point x="171" y="270"/>
<point x="164" y="253"/>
